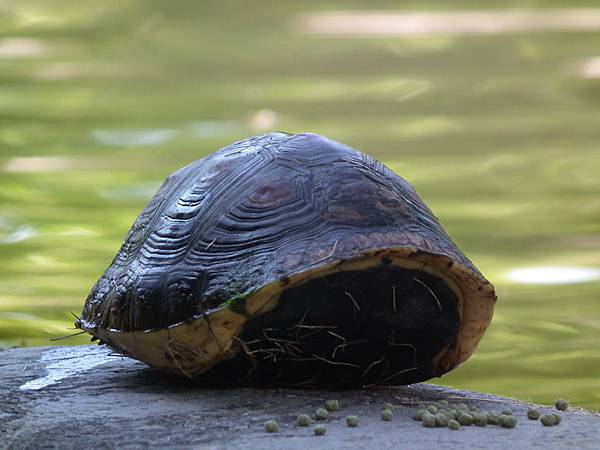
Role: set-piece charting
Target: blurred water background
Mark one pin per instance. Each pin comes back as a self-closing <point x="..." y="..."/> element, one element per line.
<point x="493" y="114"/>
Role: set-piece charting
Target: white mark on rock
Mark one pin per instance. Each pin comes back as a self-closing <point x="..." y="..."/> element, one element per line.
<point x="64" y="362"/>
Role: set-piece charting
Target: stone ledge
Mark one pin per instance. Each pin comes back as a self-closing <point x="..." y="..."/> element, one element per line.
<point x="81" y="397"/>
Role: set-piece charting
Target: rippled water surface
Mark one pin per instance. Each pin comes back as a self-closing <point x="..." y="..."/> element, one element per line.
<point x="496" y="124"/>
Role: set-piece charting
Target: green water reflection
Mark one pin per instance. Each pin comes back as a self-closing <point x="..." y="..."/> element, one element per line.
<point x="99" y="101"/>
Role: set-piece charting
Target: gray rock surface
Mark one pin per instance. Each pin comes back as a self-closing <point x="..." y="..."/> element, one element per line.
<point x="81" y="397"/>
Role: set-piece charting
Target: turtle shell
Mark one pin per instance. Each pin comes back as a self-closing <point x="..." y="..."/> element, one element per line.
<point x="290" y="259"/>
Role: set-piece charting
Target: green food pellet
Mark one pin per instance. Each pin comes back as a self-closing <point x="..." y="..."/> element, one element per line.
<point x="387" y="415"/>
<point x="453" y="425"/>
<point x="493" y="419"/>
<point x="429" y="420"/>
<point x="320" y="430"/>
<point x="508" y="421"/>
<point x="441" y="420"/>
<point x="465" y="419"/>
<point x="444" y="402"/>
<point x="303" y="420"/>
<point x="448" y="413"/>
<point x="352" y="421"/>
<point x="480" y="419"/>
<point x="271" y="426"/>
<point x="322" y="414"/>
<point x="561" y="404"/>
<point x="473" y="408"/>
<point x="427" y="414"/>
<point x="462" y="407"/>
<point x="533" y="414"/>
<point x="333" y="405"/>
<point x="557" y="418"/>
<point x="387" y="406"/>
<point x="548" y="420"/>
<point x="432" y="409"/>
<point x="419" y="414"/>
<point x="507" y="412"/>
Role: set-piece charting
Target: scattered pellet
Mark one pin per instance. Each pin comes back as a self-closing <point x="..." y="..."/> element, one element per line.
<point x="493" y="419"/>
<point x="419" y="414"/>
<point x="303" y="420"/>
<point x="320" y="430"/>
<point x="322" y="414"/>
<point x="508" y="421"/>
<point x="271" y="426"/>
<point x="441" y="420"/>
<point x="432" y="409"/>
<point x="333" y="405"/>
<point x="465" y="419"/>
<point x="450" y="413"/>
<point x="453" y="425"/>
<point x="387" y="415"/>
<point x="480" y="419"/>
<point x="548" y="420"/>
<point x="533" y="414"/>
<point x="352" y="421"/>
<point x="429" y="420"/>
<point x="561" y="404"/>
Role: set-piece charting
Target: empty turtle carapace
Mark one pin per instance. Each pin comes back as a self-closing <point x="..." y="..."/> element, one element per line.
<point x="291" y="260"/>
